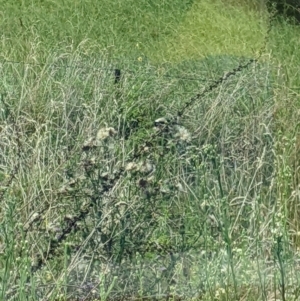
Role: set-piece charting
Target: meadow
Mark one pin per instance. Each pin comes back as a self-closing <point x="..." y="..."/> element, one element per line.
<point x="149" y="150"/>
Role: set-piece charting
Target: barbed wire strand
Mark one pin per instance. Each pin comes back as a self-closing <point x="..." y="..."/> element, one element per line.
<point x="72" y="224"/>
<point x="149" y="142"/>
<point x="115" y="71"/>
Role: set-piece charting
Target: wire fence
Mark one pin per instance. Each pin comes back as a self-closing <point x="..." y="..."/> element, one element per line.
<point x="115" y="244"/>
<point x="115" y="72"/>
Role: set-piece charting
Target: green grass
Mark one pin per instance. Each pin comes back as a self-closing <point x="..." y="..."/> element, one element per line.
<point x="161" y="31"/>
<point x="209" y="29"/>
<point x="36" y="28"/>
<point x="204" y="208"/>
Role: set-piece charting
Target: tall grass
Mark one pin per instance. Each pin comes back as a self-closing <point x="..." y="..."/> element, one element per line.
<point x="107" y="192"/>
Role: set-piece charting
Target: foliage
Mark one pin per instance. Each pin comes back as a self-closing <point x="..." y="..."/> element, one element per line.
<point x="108" y="191"/>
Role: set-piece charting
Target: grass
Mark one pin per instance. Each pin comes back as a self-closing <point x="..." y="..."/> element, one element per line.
<point x="107" y="192"/>
<point x="208" y="29"/>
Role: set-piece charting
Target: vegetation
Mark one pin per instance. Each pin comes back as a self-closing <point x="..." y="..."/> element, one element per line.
<point x="149" y="150"/>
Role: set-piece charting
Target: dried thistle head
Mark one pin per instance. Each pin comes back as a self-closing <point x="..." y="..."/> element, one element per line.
<point x="89" y="144"/>
<point x="182" y="134"/>
<point x="131" y="166"/>
<point x="146" y="167"/>
<point x="106" y="132"/>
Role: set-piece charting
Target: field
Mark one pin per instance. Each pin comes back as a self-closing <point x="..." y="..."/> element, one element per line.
<point x="149" y="150"/>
